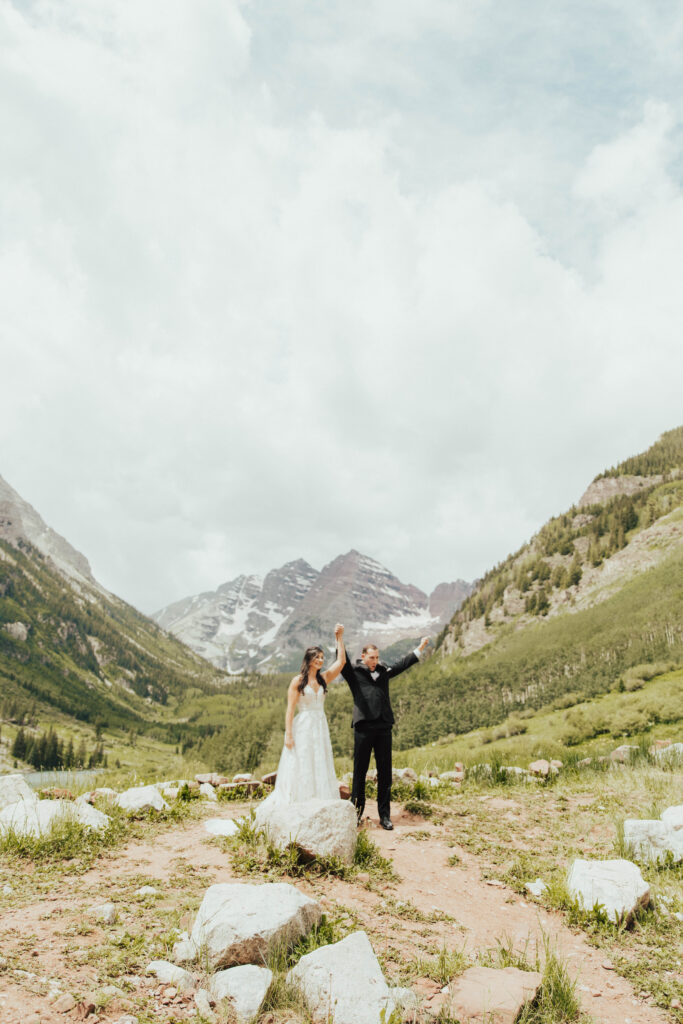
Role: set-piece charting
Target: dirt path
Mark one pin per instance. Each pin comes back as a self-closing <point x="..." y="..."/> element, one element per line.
<point x="50" y="935"/>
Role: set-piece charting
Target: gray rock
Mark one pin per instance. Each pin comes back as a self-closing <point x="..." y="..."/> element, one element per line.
<point x="624" y="753"/>
<point x="240" y="924"/>
<point x="221" y="826"/>
<point x="245" y="987"/>
<point x="536" y="888"/>
<point x="343" y="983"/>
<point x="39" y="817"/>
<point x="18" y="630"/>
<point x="617" y="885"/>
<point x="13" y="789"/>
<point x="653" y="840"/>
<point x="141" y="798"/>
<point x="170" y="974"/>
<point x="673" y="817"/>
<point x="146" y="890"/>
<point x="670" y="754"/>
<point x="105" y="913"/>
<point x="319" y="828"/>
<point x="207" y="790"/>
<point x="202" y="1001"/>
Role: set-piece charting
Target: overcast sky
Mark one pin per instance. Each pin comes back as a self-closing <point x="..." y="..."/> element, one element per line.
<point x="284" y="278"/>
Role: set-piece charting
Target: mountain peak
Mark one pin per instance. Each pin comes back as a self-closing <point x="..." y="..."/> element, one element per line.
<point x="20" y="521"/>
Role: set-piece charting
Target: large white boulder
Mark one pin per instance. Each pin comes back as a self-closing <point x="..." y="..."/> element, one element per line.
<point x="141" y="798"/>
<point x="170" y="974"/>
<point x="672" y="753"/>
<point x="240" y="924"/>
<point x="653" y="840"/>
<point x="617" y="885"/>
<point x="319" y="828"/>
<point x="36" y="818"/>
<point x="207" y="790"/>
<point x="245" y="987"/>
<point x="14" y="788"/>
<point x="343" y="983"/>
<point x="673" y="817"/>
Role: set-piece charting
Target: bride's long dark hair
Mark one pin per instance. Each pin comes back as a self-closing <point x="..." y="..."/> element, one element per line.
<point x="309" y="655"/>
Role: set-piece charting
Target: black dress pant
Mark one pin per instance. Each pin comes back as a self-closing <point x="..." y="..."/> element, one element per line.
<point x="371" y="737"/>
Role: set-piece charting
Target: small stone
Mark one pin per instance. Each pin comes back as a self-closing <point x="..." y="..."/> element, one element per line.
<point x="675" y="1004"/>
<point x="64" y="1004"/>
<point x="7" y="890"/>
<point x="105" y="913"/>
<point x="363" y="877"/>
<point x="536" y="888"/>
<point x="203" y="1003"/>
<point x="608" y="967"/>
<point x="146" y="890"/>
<point x="171" y="992"/>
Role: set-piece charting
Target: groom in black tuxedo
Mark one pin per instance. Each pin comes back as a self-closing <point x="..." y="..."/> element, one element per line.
<point x="372" y="721"/>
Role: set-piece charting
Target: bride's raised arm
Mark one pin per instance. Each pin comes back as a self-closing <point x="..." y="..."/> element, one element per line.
<point x="334" y="669"/>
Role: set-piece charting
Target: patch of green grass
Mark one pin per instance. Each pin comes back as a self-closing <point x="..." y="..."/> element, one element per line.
<point x="420" y="807"/>
<point x="242" y="793"/>
<point x="442" y="968"/>
<point x="65" y="840"/>
<point x="366" y="857"/>
<point x="556" y="1001"/>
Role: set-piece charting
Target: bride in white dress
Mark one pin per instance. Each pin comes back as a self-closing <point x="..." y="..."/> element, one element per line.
<point x="306" y="767"/>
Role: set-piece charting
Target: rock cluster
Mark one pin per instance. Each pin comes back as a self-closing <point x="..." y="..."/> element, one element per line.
<point x="237" y="927"/>
<point x="24" y="814"/>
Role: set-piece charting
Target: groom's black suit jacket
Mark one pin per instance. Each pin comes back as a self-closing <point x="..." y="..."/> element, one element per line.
<point x="371" y="696"/>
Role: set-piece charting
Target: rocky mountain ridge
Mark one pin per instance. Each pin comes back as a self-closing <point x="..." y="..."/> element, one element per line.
<point x="19" y="521"/>
<point x="68" y="645"/>
<point x="254" y="623"/>
<point x="628" y="520"/>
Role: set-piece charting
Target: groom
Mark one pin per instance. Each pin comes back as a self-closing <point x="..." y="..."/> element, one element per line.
<point x="372" y="720"/>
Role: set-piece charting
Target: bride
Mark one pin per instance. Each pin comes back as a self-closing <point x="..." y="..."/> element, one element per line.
<point x="306" y="767"/>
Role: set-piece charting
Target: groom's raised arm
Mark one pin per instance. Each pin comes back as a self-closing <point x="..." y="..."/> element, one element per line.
<point x="409" y="660"/>
<point x="349" y="674"/>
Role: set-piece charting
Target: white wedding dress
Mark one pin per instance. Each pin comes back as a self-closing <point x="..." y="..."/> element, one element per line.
<point x="307" y="770"/>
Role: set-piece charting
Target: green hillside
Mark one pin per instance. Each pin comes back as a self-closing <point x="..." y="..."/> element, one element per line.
<point x="70" y="654"/>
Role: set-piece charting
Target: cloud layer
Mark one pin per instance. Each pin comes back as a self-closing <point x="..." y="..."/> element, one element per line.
<point x="277" y="283"/>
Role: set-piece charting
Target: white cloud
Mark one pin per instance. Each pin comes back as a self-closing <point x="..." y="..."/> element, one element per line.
<point x="245" y="318"/>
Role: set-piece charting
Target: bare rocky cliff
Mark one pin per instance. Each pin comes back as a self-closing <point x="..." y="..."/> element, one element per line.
<point x="20" y="521"/>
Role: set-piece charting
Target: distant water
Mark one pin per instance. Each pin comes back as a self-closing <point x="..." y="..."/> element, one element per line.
<point x="64" y="779"/>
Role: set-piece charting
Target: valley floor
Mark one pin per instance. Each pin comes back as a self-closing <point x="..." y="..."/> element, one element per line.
<point x="457" y="899"/>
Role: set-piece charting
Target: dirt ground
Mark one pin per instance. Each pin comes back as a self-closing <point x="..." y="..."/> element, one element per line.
<point x="50" y="945"/>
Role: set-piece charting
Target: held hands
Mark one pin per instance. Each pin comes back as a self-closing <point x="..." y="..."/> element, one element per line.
<point x="338" y="632"/>
<point x="423" y="643"/>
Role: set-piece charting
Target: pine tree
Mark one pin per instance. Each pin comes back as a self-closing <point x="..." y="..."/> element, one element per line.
<point x="19" y="745"/>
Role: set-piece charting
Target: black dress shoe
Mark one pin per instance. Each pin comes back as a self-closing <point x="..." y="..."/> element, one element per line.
<point x="386" y="823"/>
<point x="359" y="815"/>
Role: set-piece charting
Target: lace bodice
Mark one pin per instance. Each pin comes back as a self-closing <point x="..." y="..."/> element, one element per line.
<point x="310" y="700"/>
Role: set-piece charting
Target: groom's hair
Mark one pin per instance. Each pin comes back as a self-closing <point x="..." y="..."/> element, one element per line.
<point x="370" y="647"/>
